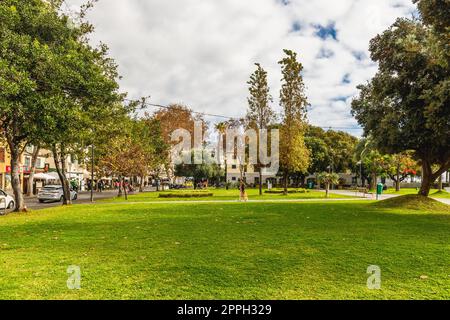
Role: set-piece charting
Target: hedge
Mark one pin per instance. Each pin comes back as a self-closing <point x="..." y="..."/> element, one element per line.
<point x="185" y="195"/>
<point x="289" y="191"/>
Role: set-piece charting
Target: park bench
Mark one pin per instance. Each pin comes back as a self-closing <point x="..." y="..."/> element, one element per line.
<point x="362" y="190"/>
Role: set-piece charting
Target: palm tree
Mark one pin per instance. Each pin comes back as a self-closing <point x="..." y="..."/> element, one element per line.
<point x="222" y="127"/>
<point x="328" y="179"/>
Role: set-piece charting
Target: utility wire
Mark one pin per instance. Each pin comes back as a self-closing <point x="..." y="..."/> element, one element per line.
<point x="231" y="118"/>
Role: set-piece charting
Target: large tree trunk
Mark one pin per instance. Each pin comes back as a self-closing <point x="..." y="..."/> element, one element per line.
<point x="32" y="171"/>
<point x="327" y="189"/>
<point x="429" y="177"/>
<point x="226" y="173"/>
<point x="141" y="184"/>
<point x="15" y="177"/>
<point x="303" y="181"/>
<point x="397" y="185"/>
<point x="426" y="184"/>
<point x="119" y="195"/>
<point x="374" y="182"/>
<point x="286" y="178"/>
<point x="260" y="181"/>
<point x="125" y="191"/>
<point x="397" y="181"/>
<point x="60" y="164"/>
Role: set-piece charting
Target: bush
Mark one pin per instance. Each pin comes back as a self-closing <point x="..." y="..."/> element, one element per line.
<point x="277" y="191"/>
<point x="186" y="195"/>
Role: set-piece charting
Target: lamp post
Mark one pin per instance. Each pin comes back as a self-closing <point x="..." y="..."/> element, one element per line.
<point x="92" y="173"/>
<point x="360" y="171"/>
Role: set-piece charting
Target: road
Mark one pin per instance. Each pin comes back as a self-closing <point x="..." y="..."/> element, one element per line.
<point x="83" y="197"/>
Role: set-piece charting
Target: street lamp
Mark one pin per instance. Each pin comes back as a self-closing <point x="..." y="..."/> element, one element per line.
<point x="92" y="173"/>
<point x="360" y="171"/>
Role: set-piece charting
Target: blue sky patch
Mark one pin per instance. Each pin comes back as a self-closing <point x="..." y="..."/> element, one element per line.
<point x="296" y="27"/>
<point x="325" y="53"/>
<point x="359" y="55"/>
<point x="325" y="32"/>
<point x="346" y="79"/>
<point x="341" y="98"/>
<point x="284" y="2"/>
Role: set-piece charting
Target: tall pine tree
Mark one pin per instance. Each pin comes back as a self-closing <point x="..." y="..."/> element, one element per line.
<point x="294" y="154"/>
<point x="259" y="113"/>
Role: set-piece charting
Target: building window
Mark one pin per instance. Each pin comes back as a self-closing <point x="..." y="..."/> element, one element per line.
<point x="233" y="179"/>
<point x="39" y="163"/>
<point x="233" y="166"/>
<point x="27" y="162"/>
<point x="2" y="155"/>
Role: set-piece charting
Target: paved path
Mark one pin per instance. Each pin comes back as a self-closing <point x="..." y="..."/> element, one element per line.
<point x="373" y="196"/>
<point x="235" y="201"/>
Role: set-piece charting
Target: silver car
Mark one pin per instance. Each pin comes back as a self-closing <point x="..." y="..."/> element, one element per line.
<point x="6" y="201"/>
<point x="54" y="193"/>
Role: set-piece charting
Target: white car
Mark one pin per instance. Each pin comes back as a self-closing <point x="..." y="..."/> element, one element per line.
<point x="6" y="201"/>
<point x="54" y="193"/>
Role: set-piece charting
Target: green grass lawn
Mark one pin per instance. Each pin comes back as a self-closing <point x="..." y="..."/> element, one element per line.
<point x="225" y="195"/>
<point x="226" y="251"/>
<point x="434" y="193"/>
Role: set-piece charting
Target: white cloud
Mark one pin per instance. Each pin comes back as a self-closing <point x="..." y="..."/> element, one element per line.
<point x="201" y="52"/>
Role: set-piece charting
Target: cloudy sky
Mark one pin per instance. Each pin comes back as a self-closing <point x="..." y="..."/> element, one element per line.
<point x="202" y="52"/>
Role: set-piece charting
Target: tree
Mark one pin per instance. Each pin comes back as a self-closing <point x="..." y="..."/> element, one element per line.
<point x="56" y="88"/>
<point x="374" y="161"/>
<point x="435" y="13"/>
<point x="177" y="116"/>
<point x="34" y="157"/>
<point x="138" y="151"/>
<point x="259" y="113"/>
<point x="222" y="127"/>
<point x="83" y="100"/>
<point x="31" y="34"/>
<point x="341" y="147"/>
<point x="294" y="155"/>
<point x="405" y="106"/>
<point x="119" y="161"/>
<point x="320" y="157"/>
<point x="152" y="149"/>
<point x="328" y="179"/>
<point x="398" y="167"/>
<point x="205" y="171"/>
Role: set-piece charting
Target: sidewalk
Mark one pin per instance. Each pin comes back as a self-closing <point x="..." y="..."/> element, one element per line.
<point x="372" y="196"/>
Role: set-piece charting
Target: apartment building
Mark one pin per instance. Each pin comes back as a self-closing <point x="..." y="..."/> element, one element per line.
<point x="44" y="164"/>
<point x="5" y="168"/>
<point x="24" y="169"/>
<point x="75" y="171"/>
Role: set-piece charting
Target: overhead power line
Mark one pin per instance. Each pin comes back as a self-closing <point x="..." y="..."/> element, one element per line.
<point x="232" y="118"/>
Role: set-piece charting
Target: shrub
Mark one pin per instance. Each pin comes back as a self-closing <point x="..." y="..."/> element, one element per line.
<point x="276" y="191"/>
<point x="186" y="195"/>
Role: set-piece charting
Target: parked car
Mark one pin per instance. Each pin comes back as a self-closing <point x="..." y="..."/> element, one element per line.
<point x="54" y="193"/>
<point x="6" y="201"/>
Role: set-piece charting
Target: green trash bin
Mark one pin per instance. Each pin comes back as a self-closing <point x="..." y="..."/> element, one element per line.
<point x="310" y="185"/>
<point x="379" y="190"/>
